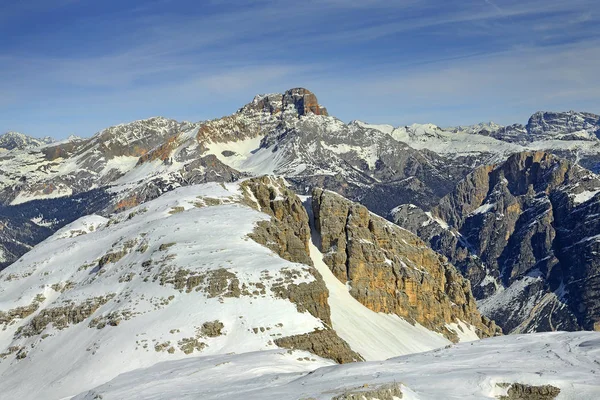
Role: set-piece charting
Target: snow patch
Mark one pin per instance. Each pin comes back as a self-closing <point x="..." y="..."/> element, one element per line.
<point x="584" y="196"/>
<point x="483" y="209"/>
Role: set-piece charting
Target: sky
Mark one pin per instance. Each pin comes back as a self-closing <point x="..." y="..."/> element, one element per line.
<point x="78" y="66"/>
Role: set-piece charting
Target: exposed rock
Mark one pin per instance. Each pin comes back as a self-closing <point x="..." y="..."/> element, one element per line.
<point x="570" y="125"/>
<point x="189" y="345"/>
<point x="528" y="225"/>
<point x="390" y="270"/>
<point x="388" y="391"/>
<point x="212" y="329"/>
<point x="287" y="233"/>
<point x="311" y="297"/>
<point x="61" y="317"/>
<point x="520" y="391"/>
<point x="7" y="317"/>
<point x="304" y="101"/>
<point x="323" y="343"/>
<point x="301" y="100"/>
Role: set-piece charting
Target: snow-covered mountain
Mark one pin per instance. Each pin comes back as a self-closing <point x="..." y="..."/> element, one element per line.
<point x="16" y="140"/>
<point x="159" y="248"/>
<point x="187" y="275"/>
<point x="573" y="135"/>
<point x="279" y="134"/>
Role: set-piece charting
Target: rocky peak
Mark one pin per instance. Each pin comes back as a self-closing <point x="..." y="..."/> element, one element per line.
<point x="540" y="170"/>
<point x="303" y="101"/>
<point x="16" y="140"/>
<point x="565" y="125"/>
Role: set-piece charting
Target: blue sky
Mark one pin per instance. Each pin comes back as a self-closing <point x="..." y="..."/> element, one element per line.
<point x="77" y="66"/>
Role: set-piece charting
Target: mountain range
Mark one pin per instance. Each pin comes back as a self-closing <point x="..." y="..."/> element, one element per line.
<point x="156" y="243"/>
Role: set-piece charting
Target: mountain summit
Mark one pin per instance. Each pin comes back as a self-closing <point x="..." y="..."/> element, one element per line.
<point x="300" y="100"/>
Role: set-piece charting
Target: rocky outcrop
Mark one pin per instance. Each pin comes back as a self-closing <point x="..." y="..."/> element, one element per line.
<point x="386" y="391"/>
<point x="390" y="270"/>
<point x="523" y="232"/>
<point x="287" y="233"/>
<point x="304" y="101"/>
<point x="323" y="343"/>
<point x="301" y="100"/>
<point x="520" y="391"/>
<point x="62" y="316"/>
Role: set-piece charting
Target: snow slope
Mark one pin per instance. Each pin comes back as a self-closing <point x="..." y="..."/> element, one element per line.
<point x="475" y="370"/>
<point x="113" y="295"/>
<point x="102" y="297"/>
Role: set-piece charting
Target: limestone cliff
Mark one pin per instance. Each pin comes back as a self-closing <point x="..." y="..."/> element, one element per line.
<point x="391" y="270"/>
<point x="287" y="233"/>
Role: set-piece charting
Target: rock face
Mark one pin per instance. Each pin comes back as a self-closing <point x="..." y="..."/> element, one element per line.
<point x="324" y="343"/>
<point x="524" y="233"/>
<point x="304" y="101"/>
<point x="390" y="270"/>
<point x="301" y="100"/>
<point x="569" y="125"/>
<point x="288" y="232"/>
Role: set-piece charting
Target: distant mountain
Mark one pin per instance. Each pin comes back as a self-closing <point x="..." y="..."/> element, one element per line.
<point x="287" y="134"/>
<point x="16" y="140"/>
<point x="569" y="125"/>
<point x="525" y="233"/>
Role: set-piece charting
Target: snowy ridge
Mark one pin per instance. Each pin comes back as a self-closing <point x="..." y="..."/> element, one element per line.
<point x="94" y="292"/>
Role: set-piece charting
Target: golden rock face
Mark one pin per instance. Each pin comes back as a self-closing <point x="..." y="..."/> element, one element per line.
<point x="390" y="270"/>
